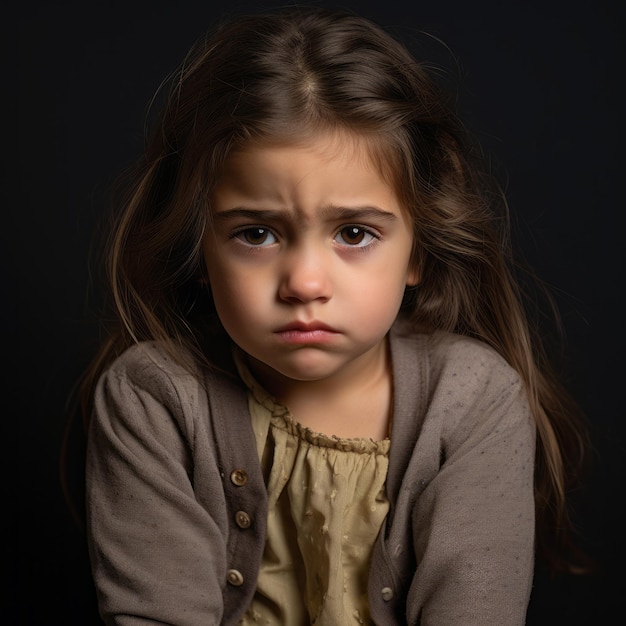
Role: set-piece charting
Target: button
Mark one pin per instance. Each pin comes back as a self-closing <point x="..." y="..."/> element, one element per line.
<point x="239" y="477"/>
<point x="234" y="577"/>
<point x="242" y="519"/>
<point x="387" y="593"/>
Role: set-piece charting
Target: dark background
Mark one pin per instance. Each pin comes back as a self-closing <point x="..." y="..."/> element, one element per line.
<point x="539" y="83"/>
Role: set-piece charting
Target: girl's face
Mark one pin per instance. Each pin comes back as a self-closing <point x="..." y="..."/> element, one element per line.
<point x="308" y="257"/>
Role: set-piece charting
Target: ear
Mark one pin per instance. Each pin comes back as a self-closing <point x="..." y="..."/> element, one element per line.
<point x="413" y="274"/>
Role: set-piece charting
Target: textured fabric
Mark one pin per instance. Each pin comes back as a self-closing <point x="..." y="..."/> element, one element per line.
<point x="326" y="505"/>
<point x="172" y="462"/>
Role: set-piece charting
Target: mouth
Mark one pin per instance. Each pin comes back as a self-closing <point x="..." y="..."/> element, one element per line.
<point x="307" y="333"/>
<point x="306" y="327"/>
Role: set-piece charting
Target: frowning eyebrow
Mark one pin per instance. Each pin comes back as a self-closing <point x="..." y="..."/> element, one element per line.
<point x="354" y="214"/>
<point x="358" y="213"/>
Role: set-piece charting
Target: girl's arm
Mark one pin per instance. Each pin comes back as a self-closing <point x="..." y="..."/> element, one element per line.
<point x="474" y="523"/>
<point x="157" y="541"/>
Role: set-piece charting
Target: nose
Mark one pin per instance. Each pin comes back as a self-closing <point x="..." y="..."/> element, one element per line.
<point x="305" y="276"/>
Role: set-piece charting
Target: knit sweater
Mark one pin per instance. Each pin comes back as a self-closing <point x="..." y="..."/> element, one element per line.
<point x="177" y="506"/>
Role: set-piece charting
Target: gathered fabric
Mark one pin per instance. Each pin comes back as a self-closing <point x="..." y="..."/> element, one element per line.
<point x="326" y="506"/>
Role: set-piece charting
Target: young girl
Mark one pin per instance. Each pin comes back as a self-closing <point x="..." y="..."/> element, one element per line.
<point x="320" y="398"/>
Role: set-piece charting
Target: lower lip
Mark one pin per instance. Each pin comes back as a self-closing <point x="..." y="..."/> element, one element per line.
<point x="307" y="336"/>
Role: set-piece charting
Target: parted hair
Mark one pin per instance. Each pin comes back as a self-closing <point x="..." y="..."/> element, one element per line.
<point x="282" y="77"/>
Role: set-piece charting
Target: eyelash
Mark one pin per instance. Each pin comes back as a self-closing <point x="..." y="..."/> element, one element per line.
<point x="364" y="230"/>
<point x="240" y="234"/>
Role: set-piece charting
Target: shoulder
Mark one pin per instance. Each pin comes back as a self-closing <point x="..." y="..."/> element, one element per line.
<point x="152" y="357"/>
<point x="469" y="360"/>
<point x="443" y="356"/>
<point x="149" y="384"/>
<point x="475" y="392"/>
<point x="148" y="374"/>
<point x="151" y="366"/>
<point x="463" y="382"/>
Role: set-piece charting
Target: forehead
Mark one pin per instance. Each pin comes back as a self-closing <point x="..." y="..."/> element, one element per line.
<point x="336" y="165"/>
<point x="358" y="152"/>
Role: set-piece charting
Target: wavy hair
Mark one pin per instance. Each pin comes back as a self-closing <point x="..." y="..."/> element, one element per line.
<point x="282" y="77"/>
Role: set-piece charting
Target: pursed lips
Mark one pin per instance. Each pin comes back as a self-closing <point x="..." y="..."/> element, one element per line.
<point x="306" y="332"/>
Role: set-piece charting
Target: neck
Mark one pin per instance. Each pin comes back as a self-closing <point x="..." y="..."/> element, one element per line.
<point x="354" y="402"/>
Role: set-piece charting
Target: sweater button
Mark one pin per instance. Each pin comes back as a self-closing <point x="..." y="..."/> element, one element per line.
<point x="234" y="577"/>
<point x="387" y="593"/>
<point x="239" y="477"/>
<point x="242" y="519"/>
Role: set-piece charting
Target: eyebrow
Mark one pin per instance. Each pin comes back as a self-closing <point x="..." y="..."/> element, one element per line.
<point x="331" y="212"/>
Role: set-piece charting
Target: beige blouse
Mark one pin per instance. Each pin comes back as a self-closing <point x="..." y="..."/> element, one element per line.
<point x="327" y="503"/>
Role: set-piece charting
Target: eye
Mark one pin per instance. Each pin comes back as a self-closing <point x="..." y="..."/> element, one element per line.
<point x="356" y="236"/>
<point x="256" y="236"/>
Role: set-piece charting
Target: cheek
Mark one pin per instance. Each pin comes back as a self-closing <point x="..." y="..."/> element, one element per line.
<point x="238" y="297"/>
<point x="226" y="289"/>
<point x="231" y="310"/>
<point x="223" y="287"/>
<point x="379" y="301"/>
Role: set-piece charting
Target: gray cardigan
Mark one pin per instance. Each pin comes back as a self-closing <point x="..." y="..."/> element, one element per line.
<point x="172" y="463"/>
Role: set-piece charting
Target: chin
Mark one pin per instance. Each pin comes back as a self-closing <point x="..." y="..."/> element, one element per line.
<point x="308" y="365"/>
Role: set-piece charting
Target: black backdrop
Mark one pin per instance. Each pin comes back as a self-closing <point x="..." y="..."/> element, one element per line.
<point x="540" y="83"/>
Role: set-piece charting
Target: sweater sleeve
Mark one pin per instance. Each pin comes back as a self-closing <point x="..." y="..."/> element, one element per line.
<point x="473" y="525"/>
<point x="158" y="555"/>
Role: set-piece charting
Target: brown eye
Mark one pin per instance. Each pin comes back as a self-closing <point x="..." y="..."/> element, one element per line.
<point x="352" y="234"/>
<point x="257" y="236"/>
<point x="356" y="236"/>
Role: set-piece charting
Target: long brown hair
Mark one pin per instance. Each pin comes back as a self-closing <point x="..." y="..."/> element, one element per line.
<point x="276" y="77"/>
